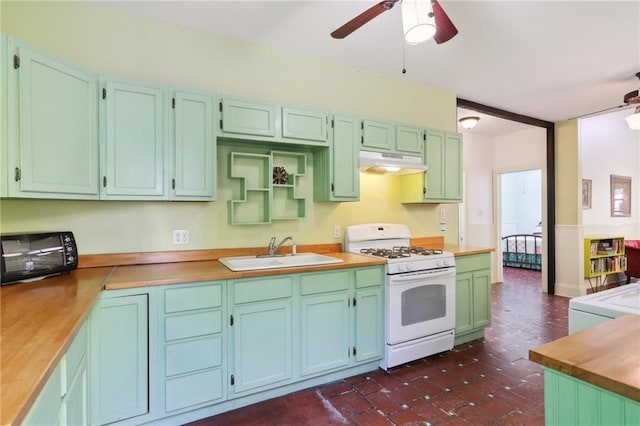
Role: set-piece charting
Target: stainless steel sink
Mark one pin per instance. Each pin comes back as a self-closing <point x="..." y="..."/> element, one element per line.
<point x="250" y="263"/>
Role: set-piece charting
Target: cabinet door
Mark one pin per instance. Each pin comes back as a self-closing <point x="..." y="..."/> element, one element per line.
<point x="409" y="140"/>
<point x="194" y="147"/>
<point x="453" y="167"/>
<point x="325" y="336"/>
<point x="304" y="124"/>
<point x="247" y="117"/>
<point x="464" y="302"/>
<point x="369" y="326"/>
<point x="133" y="143"/>
<point x="378" y="135"/>
<point x="53" y="128"/>
<point x="119" y="359"/>
<point x="345" y="183"/>
<point x="481" y="299"/>
<point x="46" y="408"/>
<point x="75" y="403"/>
<point x="262" y="346"/>
<point x="434" y="152"/>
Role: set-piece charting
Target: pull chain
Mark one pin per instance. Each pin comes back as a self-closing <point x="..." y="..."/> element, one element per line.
<point x="404" y="69"/>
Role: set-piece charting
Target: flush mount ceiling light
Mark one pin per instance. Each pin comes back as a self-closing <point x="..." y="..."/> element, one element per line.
<point x="633" y="98"/>
<point x="418" y="21"/>
<point x="469" y="122"/>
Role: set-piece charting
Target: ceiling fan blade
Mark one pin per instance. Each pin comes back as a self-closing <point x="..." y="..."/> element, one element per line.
<point x="363" y="18"/>
<point x="445" y="30"/>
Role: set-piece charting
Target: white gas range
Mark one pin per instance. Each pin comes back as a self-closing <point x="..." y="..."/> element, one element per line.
<point x="419" y="291"/>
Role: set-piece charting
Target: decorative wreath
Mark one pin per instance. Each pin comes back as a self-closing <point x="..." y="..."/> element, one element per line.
<point x="280" y="175"/>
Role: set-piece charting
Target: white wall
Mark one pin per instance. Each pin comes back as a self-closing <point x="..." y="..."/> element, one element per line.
<point x="521" y="202"/>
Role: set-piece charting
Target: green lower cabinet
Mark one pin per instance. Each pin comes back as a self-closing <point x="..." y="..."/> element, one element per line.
<point x="473" y="296"/>
<point x="119" y="358"/>
<point x="64" y="398"/>
<point x="570" y="401"/>
<point x="261" y="337"/>
<point x="369" y="324"/>
<point x="192" y="330"/>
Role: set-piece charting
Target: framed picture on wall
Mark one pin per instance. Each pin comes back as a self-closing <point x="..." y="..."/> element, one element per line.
<point x="586" y="193"/>
<point x="620" y="196"/>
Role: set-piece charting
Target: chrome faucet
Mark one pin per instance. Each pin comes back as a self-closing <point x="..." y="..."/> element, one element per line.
<point x="273" y="247"/>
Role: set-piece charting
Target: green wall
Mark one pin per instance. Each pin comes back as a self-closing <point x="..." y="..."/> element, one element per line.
<point x="123" y="46"/>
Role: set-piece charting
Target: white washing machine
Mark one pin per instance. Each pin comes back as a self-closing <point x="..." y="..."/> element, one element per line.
<point x="596" y="308"/>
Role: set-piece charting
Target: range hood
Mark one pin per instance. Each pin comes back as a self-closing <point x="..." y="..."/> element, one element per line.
<point x="388" y="163"/>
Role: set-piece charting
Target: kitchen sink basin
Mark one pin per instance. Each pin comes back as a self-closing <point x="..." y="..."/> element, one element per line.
<point x="250" y="263"/>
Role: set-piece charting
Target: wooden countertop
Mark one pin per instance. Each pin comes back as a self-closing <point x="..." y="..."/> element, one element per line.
<point x="606" y="355"/>
<point x="211" y="270"/>
<point x="40" y="319"/>
<point x="38" y="322"/>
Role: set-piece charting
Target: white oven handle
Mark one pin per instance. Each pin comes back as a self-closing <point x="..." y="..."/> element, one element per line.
<point x="421" y="275"/>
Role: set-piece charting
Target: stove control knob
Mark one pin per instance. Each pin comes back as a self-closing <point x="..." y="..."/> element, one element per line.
<point x="445" y="262"/>
<point x="409" y="267"/>
<point x="402" y="268"/>
<point x="439" y="263"/>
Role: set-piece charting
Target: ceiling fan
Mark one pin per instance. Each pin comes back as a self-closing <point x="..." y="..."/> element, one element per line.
<point x="444" y="28"/>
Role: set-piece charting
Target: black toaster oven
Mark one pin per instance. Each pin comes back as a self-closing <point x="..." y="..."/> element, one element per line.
<point x="29" y="256"/>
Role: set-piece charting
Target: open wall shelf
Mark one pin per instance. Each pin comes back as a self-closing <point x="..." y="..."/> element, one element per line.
<point x="262" y="197"/>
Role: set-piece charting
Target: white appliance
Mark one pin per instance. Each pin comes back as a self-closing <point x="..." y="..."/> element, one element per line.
<point x="391" y="163"/>
<point x="419" y="291"/>
<point x="596" y="308"/>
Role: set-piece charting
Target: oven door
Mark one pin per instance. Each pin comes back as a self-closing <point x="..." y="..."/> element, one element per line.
<point x="419" y="304"/>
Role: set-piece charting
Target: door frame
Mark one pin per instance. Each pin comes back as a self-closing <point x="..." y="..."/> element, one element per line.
<point x="548" y="231"/>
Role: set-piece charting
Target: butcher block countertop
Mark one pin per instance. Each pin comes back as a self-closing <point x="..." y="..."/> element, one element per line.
<point x="606" y="355"/>
<point x="39" y="319"/>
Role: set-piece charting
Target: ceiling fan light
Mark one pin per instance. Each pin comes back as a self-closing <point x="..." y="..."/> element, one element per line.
<point x="633" y="120"/>
<point x="418" y="22"/>
<point x="469" y="122"/>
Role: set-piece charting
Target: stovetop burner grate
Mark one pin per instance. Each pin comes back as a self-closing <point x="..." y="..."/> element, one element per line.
<point x="399" y="252"/>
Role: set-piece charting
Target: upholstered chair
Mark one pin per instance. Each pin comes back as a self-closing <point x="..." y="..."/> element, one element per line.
<point x="632" y="250"/>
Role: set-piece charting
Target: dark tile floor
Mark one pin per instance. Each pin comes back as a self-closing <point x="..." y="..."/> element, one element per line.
<point x="488" y="381"/>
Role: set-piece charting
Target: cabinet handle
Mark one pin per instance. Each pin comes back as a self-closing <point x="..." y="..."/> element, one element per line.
<point x="233" y="380"/>
<point x="354" y="301"/>
<point x="231" y="321"/>
<point x="332" y="187"/>
<point x="354" y="351"/>
<point x="424" y="190"/>
<point x="104" y="181"/>
<point x="173" y="183"/>
<point x="17" y="174"/>
<point x="16" y="62"/>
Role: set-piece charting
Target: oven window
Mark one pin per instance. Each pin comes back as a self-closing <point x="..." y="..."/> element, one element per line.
<point x="423" y="303"/>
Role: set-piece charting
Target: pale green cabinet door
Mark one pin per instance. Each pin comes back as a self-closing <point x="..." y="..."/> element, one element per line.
<point x="262" y="346"/>
<point x="53" y="128"/>
<point x="325" y="337"/>
<point x="245" y="117"/>
<point x="369" y="326"/>
<point x="194" y="147"/>
<point x="75" y="403"/>
<point x="46" y="408"/>
<point x="435" y="155"/>
<point x="378" y="135"/>
<point x="481" y="299"/>
<point x="134" y="141"/>
<point x="304" y="124"/>
<point x="345" y="184"/>
<point x="119" y="366"/>
<point x="464" y="302"/>
<point x="453" y="167"/>
<point x="409" y="140"/>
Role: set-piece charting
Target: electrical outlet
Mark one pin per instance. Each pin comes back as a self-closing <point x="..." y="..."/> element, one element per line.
<point x="336" y="231"/>
<point x="180" y="236"/>
<point x="443" y="226"/>
<point x="443" y="214"/>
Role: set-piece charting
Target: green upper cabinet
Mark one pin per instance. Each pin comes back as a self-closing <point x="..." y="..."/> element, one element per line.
<point x="409" y="140"/>
<point x="304" y="124"/>
<point x="133" y="141"/>
<point x="194" y="147"/>
<point x="52" y="126"/>
<point x="252" y="120"/>
<point x="378" y="135"/>
<point x="242" y="118"/>
<point x="4" y="70"/>
<point x="336" y="174"/>
<point x="442" y="182"/>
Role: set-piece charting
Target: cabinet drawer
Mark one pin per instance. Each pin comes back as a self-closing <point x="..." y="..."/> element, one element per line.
<point x="197" y="297"/>
<point x="75" y="354"/>
<point x="369" y="277"/>
<point x="193" y="356"/>
<point x="473" y="262"/>
<point x="324" y="282"/>
<point x="195" y="389"/>
<point x="261" y="289"/>
<point x="192" y="325"/>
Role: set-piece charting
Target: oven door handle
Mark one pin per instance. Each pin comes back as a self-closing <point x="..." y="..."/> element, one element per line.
<point x="415" y="276"/>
